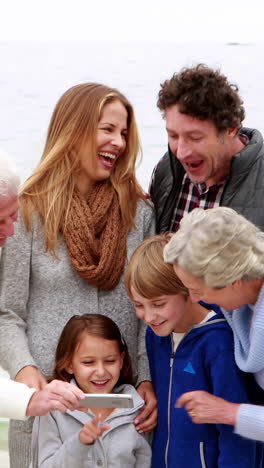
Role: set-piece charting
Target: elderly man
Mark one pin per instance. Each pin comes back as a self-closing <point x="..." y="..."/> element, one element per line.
<point x="16" y="399"/>
<point x="211" y="159"/>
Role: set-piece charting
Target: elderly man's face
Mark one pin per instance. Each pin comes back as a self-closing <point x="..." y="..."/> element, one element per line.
<point x="8" y="216"/>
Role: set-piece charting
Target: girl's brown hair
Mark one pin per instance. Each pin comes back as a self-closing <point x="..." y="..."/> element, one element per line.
<point x="92" y="324"/>
<point x="147" y="272"/>
<point x="74" y="123"/>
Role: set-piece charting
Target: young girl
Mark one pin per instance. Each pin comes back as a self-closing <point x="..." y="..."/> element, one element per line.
<point x="189" y="347"/>
<point x="92" y="354"/>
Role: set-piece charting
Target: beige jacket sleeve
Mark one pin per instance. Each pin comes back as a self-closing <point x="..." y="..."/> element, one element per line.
<point x="14" y="399"/>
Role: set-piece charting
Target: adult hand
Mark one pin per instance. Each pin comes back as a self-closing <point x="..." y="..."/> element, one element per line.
<point x="147" y="419"/>
<point x="92" y="430"/>
<point x="32" y="377"/>
<point x="203" y="407"/>
<point x="56" y="395"/>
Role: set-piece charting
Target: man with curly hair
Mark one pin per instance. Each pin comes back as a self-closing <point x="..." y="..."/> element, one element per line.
<point x="211" y="160"/>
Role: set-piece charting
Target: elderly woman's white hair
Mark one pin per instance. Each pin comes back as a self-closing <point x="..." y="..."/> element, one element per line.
<point x="218" y="245"/>
<point x="9" y="180"/>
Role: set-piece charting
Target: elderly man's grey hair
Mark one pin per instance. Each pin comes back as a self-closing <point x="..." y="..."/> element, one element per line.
<point x="217" y="245"/>
<point x="9" y="180"/>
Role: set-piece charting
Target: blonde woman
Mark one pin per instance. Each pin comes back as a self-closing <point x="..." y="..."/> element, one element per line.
<point x="82" y="215"/>
<point x="219" y="256"/>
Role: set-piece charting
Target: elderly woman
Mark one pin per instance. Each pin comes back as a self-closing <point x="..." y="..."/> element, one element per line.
<point x="219" y="256"/>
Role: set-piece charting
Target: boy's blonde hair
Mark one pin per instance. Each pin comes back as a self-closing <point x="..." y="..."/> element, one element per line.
<point x="147" y="272"/>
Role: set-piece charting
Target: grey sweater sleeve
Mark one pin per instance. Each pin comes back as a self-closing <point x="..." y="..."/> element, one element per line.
<point x="250" y="422"/>
<point x="14" y="292"/>
<point x="143" y="365"/>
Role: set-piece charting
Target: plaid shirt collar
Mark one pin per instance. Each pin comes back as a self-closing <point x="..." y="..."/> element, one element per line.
<point x="197" y="195"/>
<point x="194" y="196"/>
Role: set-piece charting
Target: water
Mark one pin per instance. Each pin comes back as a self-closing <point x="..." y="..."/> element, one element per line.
<point x="34" y="75"/>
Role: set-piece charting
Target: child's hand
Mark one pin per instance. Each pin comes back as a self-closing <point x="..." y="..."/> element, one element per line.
<point x="92" y="430"/>
<point x="146" y="421"/>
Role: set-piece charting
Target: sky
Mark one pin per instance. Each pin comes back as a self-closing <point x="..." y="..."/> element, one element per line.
<point x="132" y="20"/>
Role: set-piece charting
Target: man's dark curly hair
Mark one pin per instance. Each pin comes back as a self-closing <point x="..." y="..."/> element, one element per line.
<point x="203" y="93"/>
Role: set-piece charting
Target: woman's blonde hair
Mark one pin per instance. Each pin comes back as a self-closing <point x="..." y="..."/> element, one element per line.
<point x="217" y="245"/>
<point x="74" y="123"/>
<point x="147" y="272"/>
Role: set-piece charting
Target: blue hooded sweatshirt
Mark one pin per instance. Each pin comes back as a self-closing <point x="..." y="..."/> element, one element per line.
<point x="204" y="360"/>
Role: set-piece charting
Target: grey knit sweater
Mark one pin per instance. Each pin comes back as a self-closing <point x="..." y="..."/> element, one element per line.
<point x="38" y="295"/>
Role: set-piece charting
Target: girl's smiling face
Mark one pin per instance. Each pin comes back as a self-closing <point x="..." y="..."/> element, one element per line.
<point x="96" y="364"/>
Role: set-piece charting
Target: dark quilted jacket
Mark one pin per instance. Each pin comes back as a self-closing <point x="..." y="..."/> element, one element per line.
<point x="244" y="190"/>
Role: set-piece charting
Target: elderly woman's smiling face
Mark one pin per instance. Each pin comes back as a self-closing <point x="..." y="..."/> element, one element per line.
<point x="230" y="297"/>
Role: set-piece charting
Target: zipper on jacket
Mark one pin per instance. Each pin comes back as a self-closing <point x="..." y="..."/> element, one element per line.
<point x="172" y="359"/>
<point x="202" y="456"/>
<point x="169" y="403"/>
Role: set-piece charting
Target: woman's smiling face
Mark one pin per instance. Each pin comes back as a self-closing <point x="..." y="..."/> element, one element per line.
<point x="111" y="141"/>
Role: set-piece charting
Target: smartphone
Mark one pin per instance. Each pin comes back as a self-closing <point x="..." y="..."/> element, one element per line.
<point x="107" y="400"/>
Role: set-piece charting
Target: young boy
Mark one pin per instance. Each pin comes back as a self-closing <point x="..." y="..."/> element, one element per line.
<point x="190" y="347"/>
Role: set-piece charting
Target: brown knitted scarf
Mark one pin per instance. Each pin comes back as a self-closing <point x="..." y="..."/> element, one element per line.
<point x="95" y="236"/>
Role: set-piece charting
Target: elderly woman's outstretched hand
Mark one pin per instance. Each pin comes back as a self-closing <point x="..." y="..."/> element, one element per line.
<point x="203" y="407"/>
